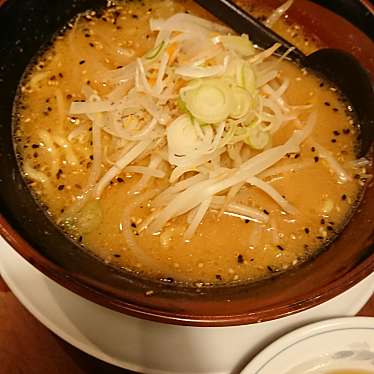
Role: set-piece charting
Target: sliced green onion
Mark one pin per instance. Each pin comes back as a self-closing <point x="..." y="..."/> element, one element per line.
<point x="155" y="52"/>
<point x="86" y="220"/>
<point x="242" y="102"/>
<point x="90" y="217"/>
<point x="239" y="44"/>
<point x="181" y="105"/>
<point x="257" y="137"/>
<point x="246" y="77"/>
<point x="232" y="68"/>
<point x="208" y="100"/>
<point x="182" y="139"/>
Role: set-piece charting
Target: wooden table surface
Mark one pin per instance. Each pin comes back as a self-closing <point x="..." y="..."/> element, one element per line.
<point x="26" y="346"/>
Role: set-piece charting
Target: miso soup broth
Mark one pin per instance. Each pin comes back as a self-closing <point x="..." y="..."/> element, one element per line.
<point x="171" y="147"/>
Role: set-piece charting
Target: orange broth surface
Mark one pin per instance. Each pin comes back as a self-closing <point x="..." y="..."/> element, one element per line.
<point x="225" y="248"/>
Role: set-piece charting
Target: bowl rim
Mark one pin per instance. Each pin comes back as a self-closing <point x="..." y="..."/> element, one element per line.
<point x="70" y="281"/>
<point x="99" y="296"/>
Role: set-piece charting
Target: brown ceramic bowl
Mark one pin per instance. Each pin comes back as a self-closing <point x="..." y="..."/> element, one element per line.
<point x="24" y="27"/>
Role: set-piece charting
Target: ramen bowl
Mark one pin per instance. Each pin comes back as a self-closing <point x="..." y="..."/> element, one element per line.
<point x="24" y="224"/>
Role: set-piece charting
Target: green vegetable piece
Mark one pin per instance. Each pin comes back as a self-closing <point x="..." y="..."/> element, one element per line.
<point x="90" y="217"/>
<point x="155" y="52"/>
<point x="242" y="102"/>
<point x="181" y="105"/>
<point x="257" y="138"/>
<point x="239" y="44"/>
<point x="183" y="141"/>
<point x="246" y="78"/>
<point x="208" y="100"/>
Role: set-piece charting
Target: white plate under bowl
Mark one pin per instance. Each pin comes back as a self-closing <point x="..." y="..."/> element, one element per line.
<point x="151" y="347"/>
<point x="320" y="348"/>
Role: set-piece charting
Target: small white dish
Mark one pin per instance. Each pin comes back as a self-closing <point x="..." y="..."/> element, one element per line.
<point x="320" y="348"/>
<point x="150" y="347"/>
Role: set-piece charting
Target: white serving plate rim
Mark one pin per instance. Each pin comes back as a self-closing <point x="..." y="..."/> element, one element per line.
<point x="293" y="338"/>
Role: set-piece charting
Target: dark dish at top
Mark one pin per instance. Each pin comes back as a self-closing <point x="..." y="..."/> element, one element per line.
<point x="182" y="155"/>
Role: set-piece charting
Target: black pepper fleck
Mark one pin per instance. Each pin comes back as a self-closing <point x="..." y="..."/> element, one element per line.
<point x="58" y="174"/>
<point x="81" y="62"/>
<point x="240" y="259"/>
<point x="266" y="212"/>
<point x="344" y="197"/>
<point x="61" y="187"/>
<point x="280" y="247"/>
<point x="307" y="231"/>
<point x="316" y="159"/>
